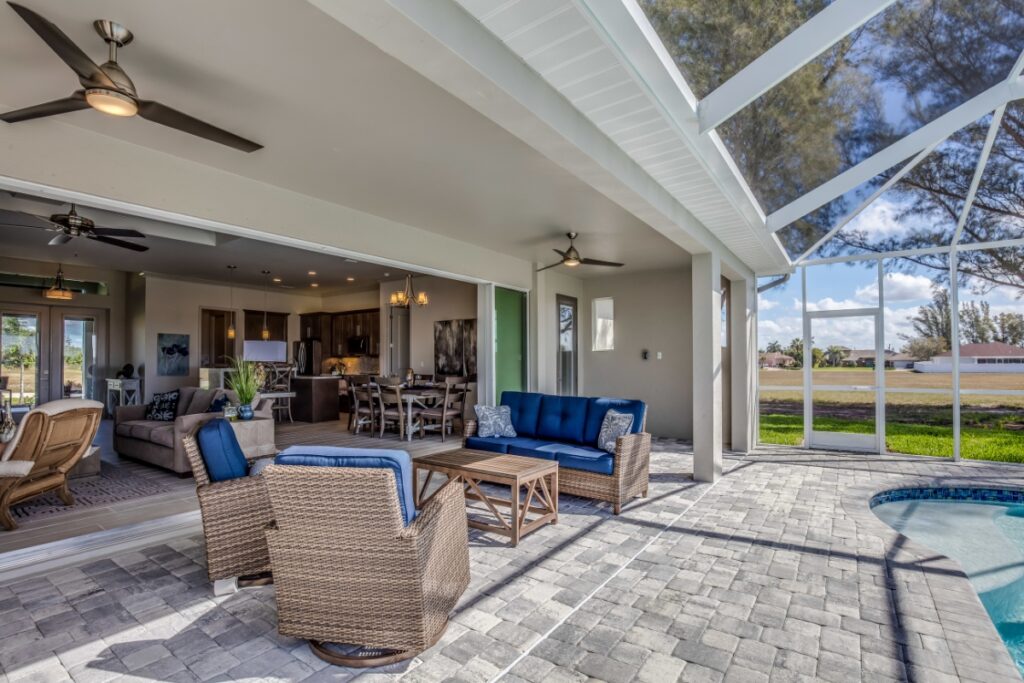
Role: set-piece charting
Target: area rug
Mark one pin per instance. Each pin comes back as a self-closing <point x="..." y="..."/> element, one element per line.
<point x="113" y="485"/>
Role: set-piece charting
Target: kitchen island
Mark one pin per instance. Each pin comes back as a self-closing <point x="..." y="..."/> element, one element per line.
<point x="316" y="398"/>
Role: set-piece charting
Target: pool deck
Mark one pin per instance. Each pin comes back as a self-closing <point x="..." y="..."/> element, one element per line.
<point x="779" y="572"/>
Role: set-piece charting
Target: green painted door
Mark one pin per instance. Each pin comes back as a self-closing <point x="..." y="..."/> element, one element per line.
<point x="510" y="340"/>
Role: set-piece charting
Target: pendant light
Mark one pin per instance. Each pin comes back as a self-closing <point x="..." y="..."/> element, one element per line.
<point x="265" y="332"/>
<point x="231" y="302"/>
<point x="58" y="291"/>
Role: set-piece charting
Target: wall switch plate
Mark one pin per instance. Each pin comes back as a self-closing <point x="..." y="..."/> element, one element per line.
<point x="659" y="355"/>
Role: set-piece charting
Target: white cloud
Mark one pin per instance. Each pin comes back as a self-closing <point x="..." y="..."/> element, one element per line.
<point x="898" y="287"/>
<point x="830" y="304"/>
<point x="880" y="220"/>
<point x="765" y="304"/>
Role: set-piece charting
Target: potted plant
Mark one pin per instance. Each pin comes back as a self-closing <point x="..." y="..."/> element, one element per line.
<point x="246" y="380"/>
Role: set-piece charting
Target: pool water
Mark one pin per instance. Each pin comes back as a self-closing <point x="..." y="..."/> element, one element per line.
<point x="987" y="540"/>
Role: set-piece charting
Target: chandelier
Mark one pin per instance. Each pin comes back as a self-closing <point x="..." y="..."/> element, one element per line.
<point x="404" y="297"/>
<point x="58" y="291"/>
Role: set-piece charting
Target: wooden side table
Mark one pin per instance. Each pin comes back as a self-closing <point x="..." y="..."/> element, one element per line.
<point x="123" y="392"/>
<point x="538" y="477"/>
<point x="255" y="436"/>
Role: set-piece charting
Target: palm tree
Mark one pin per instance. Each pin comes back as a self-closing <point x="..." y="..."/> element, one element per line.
<point x="834" y="355"/>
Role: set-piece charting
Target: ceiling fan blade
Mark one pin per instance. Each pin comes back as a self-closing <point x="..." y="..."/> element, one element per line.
<point x="20" y="219"/>
<point x="116" y="232"/>
<point x="560" y="253"/>
<point x="62" y="238"/>
<point x="70" y="53"/>
<point x="551" y="266"/>
<point x="62" y="106"/>
<point x="595" y="262"/>
<point x="164" y="115"/>
<point x="118" y="243"/>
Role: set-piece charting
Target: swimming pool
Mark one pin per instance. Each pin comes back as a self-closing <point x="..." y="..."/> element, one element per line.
<point x="983" y="530"/>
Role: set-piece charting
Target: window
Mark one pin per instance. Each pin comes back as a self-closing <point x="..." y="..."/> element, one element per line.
<point x="604" y="324"/>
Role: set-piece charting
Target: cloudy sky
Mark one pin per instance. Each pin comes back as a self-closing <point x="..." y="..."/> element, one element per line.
<point x="843" y="286"/>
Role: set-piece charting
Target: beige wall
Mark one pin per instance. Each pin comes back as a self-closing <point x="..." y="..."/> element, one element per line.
<point x="652" y="311"/>
<point x="350" y="301"/>
<point x="544" y="321"/>
<point x="173" y="306"/>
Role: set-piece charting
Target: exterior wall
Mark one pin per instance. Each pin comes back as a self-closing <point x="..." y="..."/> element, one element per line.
<point x="967" y="364"/>
<point x="173" y="306"/>
<point x="652" y="312"/>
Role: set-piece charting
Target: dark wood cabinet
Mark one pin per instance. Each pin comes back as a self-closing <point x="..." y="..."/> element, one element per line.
<point x="318" y="326"/>
<point x="277" y="324"/>
<point x="335" y="329"/>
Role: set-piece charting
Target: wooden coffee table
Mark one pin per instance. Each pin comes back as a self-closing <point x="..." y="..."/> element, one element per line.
<point x="539" y="477"/>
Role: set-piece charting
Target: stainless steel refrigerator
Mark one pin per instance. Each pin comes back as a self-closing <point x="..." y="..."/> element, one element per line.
<point x="308" y="357"/>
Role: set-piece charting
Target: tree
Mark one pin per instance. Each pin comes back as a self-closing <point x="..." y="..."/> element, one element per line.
<point x="17" y="358"/>
<point x="834" y="355"/>
<point x="796" y="350"/>
<point x="774" y="347"/>
<point x="932" y="320"/>
<point x="1010" y="328"/>
<point x="817" y="357"/>
<point x="976" y="324"/>
<point x="925" y="348"/>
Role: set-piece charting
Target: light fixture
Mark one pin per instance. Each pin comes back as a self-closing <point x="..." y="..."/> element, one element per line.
<point x="311" y="273"/>
<point x="265" y="332"/>
<point x="314" y="284"/>
<point x="58" y="291"/>
<point x="231" y="302"/>
<point x="404" y="297"/>
<point x="111" y="102"/>
<point x="350" y="279"/>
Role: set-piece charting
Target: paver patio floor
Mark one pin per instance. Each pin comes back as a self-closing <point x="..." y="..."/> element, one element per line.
<point x="778" y="572"/>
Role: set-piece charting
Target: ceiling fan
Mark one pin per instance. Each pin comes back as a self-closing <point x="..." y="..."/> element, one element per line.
<point x="571" y="257"/>
<point x="108" y="88"/>
<point x="71" y="225"/>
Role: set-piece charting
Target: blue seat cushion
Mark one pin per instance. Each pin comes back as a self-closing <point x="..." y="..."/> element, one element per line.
<point x="585" y="458"/>
<point x="535" y="448"/>
<point x="492" y="444"/>
<point x="516" y="445"/>
<point x="398" y="462"/>
<point x="562" y="418"/>
<point x="596" y="409"/>
<point x="221" y="453"/>
<point x="525" y="410"/>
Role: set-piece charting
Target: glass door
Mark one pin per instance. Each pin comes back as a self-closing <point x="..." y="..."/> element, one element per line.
<point x="23" y="364"/>
<point x="568" y="345"/>
<point x="844" y="379"/>
<point x="78" y="353"/>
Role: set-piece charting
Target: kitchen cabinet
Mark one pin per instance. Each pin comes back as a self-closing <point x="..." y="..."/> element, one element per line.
<point x="318" y="326"/>
<point x="277" y="324"/>
<point x="335" y="329"/>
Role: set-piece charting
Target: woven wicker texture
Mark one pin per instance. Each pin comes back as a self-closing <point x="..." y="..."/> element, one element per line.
<point x="345" y="568"/>
<point x="235" y="514"/>
<point x="629" y="477"/>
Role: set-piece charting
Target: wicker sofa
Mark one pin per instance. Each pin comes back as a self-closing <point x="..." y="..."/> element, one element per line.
<point x="565" y="429"/>
<point x="160" y="442"/>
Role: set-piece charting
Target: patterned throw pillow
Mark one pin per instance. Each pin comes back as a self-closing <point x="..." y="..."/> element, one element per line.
<point x="494" y="421"/>
<point x="163" y="407"/>
<point x="615" y="424"/>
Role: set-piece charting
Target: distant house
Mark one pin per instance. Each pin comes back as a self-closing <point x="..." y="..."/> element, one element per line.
<point x="775" y="359"/>
<point x="865" y="358"/>
<point x="990" y="357"/>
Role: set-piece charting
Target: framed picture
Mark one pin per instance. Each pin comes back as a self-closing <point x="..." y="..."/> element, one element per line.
<point x="455" y="348"/>
<point x="171" y="354"/>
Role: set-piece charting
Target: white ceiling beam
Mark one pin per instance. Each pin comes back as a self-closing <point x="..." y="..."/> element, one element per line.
<point x="936" y="131"/>
<point x="979" y="171"/>
<point x="816" y="35"/>
<point x="870" y="200"/>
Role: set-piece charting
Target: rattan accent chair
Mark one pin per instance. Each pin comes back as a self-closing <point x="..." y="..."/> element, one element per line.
<point x="50" y="440"/>
<point x="348" y="571"/>
<point x="628" y="480"/>
<point x="235" y="514"/>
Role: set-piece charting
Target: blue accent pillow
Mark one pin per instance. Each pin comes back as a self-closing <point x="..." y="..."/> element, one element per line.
<point x="221" y="453"/>
<point x="218" y="404"/>
<point x="398" y="462"/>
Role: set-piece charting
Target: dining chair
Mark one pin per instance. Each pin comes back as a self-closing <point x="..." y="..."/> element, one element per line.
<point x="364" y="413"/>
<point x="442" y="415"/>
<point x="279" y="389"/>
<point x="392" y="409"/>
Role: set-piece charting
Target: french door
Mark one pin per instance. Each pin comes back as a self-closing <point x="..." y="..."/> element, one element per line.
<point x="568" y="345"/>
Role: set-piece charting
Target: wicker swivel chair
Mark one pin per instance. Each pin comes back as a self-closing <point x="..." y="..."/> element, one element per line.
<point x="235" y="513"/>
<point x="349" y="569"/>
<point x="50" y="440"/>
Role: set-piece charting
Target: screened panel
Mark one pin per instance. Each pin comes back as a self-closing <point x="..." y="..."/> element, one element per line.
<point x="917" y="322"/>
<point x="836" y="286"/>
<point x="919" y="423"/>
<point x="782" y="416"/>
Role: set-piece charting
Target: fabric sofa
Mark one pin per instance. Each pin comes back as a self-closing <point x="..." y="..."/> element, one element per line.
<point x="159" y="442"/>
<point x="565" y="429"/>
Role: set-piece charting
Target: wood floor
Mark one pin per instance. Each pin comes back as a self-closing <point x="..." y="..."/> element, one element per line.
<point x="181" y="497"/>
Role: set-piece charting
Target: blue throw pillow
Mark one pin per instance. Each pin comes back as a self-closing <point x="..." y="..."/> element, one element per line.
<point x="221" y="453"/>
<point x="218" y="404"/>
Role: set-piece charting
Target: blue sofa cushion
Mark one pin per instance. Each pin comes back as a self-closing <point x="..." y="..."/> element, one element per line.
<point x="515" y="445"/>
<point x="525" y="409"/>
<point x="221" y="453"/>
<point x="535" y="448"/>
<point x="398" y="462"/>
<point x="585" y="458"/>
<point x="596" y="409"/>
<point x="562" y="418"/>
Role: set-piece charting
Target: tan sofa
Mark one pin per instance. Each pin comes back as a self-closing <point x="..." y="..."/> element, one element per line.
<point x="159" y="442"/>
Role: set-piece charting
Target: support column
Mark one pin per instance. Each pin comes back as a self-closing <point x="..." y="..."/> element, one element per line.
<point x="706" y="273"/>
<point x="485" y="344"/>
<point x="743" y="359"/>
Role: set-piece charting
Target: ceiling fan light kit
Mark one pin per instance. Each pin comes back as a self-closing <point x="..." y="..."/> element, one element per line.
<point x="107" y="88"/>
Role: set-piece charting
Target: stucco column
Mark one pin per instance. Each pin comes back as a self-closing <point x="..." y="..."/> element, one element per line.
<point x="743" y="357"/>
<point x="485" y="344"/>
<point x="707" y="366"/>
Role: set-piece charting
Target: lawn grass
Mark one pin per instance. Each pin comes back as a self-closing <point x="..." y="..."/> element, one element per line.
<point x="989" y="442"/>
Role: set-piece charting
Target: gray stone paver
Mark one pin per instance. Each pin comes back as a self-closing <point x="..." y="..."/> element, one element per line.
<point x="778" y="573"/>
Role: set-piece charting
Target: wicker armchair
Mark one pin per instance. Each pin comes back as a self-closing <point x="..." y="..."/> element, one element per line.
<point x="347" y="569"/>
<point x="628" y="479"/>
<point x="235" y="514"/>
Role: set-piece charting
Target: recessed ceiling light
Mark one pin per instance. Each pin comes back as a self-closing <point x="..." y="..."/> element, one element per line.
<point x="277" y="279"/>
<point x="311" y="273"/>
<point x="350" y="279"/>
<point x="387" y="274"/>
<point x="314" y="285"/>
